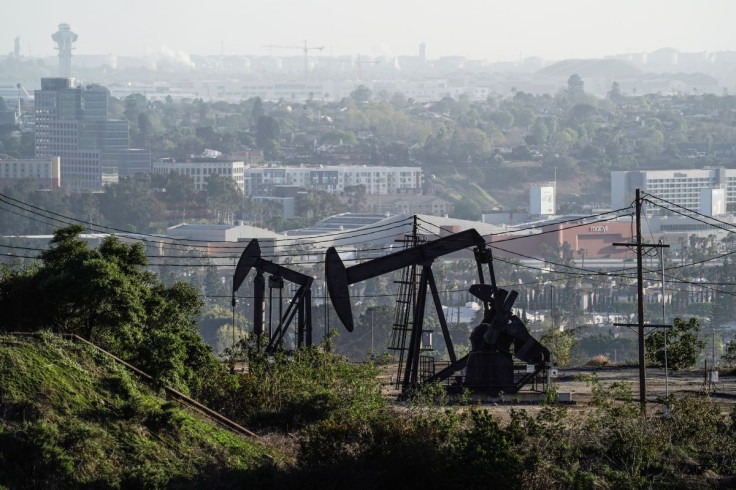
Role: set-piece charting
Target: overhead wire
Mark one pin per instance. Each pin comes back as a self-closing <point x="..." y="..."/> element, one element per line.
<point x="170" y="241"/>
<point x="167" y="245"/>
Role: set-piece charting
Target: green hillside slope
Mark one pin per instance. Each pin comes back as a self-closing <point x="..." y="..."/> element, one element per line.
<point x="71" y="417"/>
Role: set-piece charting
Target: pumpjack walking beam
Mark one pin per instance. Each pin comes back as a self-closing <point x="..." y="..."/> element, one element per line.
<point x="339" y="278"/>
<point x="300" y="304"/>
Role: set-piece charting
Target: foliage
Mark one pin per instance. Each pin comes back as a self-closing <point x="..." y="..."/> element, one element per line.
<point x="729" y="353"/>
<point x="683" y="345"/>
<point x="216" y="327"/>
<point x="314" y="204"/>
<point x="106" y="296"/>
<point x="71" y="418"/>
<point x="224" y="196"/>
<point x="291" y="390"/>
<point x="599" y="361"/>
<point x="130" y="203"/>
<point x="560" y="345"/>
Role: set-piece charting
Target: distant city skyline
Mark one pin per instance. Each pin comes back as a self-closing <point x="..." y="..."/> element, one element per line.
<point x="489" y="30"/>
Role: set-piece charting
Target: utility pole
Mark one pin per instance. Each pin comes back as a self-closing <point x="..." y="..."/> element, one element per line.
<point x="639" y="247"/>
<point x="664" y="321"/>
<point x="552" y="305"/>
<point x="372" y="351"/>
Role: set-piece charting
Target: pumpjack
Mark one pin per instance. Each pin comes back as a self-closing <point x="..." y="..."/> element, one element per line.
<point x="489" y="367"/>
<point x="300" y="304"/>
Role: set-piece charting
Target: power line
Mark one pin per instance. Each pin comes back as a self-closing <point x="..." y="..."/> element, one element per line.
<point x="164" y="242"/>
<point x="71" y="220"/>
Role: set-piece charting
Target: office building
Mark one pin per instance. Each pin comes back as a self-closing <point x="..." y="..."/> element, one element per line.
<point x="201" y="169"/>
<point x="72" y="123"/>
<point x="680" y="187"/>
<point x="133" y="161"/>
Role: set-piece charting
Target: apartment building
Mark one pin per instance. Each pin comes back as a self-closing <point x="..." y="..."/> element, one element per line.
<point x="201" y="169"/>
<point x="377" y="180"/>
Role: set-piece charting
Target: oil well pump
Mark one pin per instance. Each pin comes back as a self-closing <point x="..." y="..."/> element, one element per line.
<point x="300" y="304"/>
<point x="501" y="336"/>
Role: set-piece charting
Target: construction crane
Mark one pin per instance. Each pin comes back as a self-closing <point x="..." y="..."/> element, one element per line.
<point x="305" y="50"/>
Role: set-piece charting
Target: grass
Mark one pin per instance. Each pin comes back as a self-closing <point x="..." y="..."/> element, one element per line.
<point x="71" y="417"/>
<point x="458" y="187"/>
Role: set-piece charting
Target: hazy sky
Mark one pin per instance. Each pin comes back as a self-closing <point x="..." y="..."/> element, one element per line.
<point x="486" y="29"/>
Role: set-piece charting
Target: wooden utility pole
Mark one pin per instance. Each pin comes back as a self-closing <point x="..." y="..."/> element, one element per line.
<point x="639" y="247"/>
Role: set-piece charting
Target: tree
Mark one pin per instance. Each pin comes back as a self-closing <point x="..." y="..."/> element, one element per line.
<point x="216" y="327"/>
<point x="319" y="204"/>
<point x="683" y="345"/>
<point x="502" y="119"/>
<point x="524" y="117"/>
<point x="361" y="94"/>
<point x="257" y="112"/>
<point x="179" y="187"/>
<point x="575" y="87"/>
<point x="338" y="137"/>
<point x="560" y="344"/>
<point x="130" y="204"/>
<point x="106" y="296"/>
<point x="268" y="131"/>
<point x="615" y="93"/>
<point x="356" y="197"/>
<point x="729" y="352"/>
<point x="540" y="132"/>
<point x="224" y="197"/>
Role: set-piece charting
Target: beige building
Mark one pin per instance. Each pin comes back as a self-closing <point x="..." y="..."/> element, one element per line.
<point x="45" y="171"/>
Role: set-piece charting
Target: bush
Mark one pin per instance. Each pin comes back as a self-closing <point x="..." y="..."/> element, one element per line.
<point x="599" y="361"/>
<point x="287" y="392"/>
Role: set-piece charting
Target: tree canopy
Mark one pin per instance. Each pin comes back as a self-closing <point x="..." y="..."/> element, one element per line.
<point x="106" y="296"/>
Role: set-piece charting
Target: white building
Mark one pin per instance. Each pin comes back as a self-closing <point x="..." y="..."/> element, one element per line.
<point x="200" y="170"/>
<point x="681" y="187"/>
<point x="542" y="200"/>
<point x="713" y="202"/>
<point x="260" y="181"/>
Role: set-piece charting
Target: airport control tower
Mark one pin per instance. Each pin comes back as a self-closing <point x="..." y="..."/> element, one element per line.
<point x="64" y="38"/>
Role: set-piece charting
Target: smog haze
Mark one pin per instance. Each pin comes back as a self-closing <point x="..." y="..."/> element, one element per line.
<point x="495" y="31"/>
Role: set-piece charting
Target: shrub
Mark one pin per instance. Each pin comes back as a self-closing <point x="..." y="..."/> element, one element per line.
<point x="599" y="361"/>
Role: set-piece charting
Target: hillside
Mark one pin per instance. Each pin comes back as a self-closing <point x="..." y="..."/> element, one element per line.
<point x="508" y="185"/>
<point x="71" y="417"/>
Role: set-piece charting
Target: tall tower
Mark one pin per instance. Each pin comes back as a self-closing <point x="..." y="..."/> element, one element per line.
<point x="64" y="38"/>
